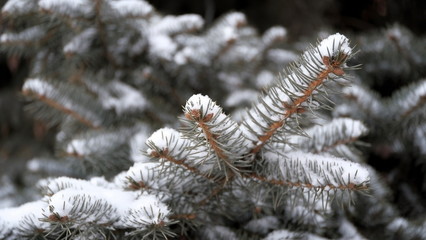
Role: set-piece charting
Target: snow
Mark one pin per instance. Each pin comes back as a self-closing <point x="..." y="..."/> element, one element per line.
<point x="131" y="8"/>
<point x="95" y="201"/>
<point x="171" y="25"/>
<point x="92" y="143"/>
<point x="349" y="231"/>
<point x="203" y="158"/>
<point x="264" y="79"/>
<point x="136" y="143"/>
<point x="243" y="54"/>
<point x="235" y="19"/>
<point x="271" y="108"/>
<point x="122" y="97"/>
<point x="204" y="104"/>
<point x="420" y="138"/>
<point x="31" y="34"/>
<point x="332" y="44"/>
<point x="75" y="8"/>
<point x="228" y="34"/>
<point x="57" y="92"/>
<point x="410" y="98"/>
<point x="238" y="98"/>
<point x="145" y="173"/>
<point x="145" y="210"/>
<point x="18" y="7"/>
<point x="268" y="110"/>
<point x="38" y="86"/>
<point x="80" y="43"/>
<point x="368" y="101"/>
<point x="273" y="35"/>
<point x="218" y="232"/>
<point x="263" y="225"/>
<point x="94" y="204"/>
<point x="281" y="56"/>
<point x="12" y="218"/>
<point x="168" y="139"/>
<point x="317" y="170"/>
<point x="286" y="234"/>
<point x="328" y="135"/>
<point x="397" y="223"/>
<point x="51" y="186"/>
<point x="228" y="134"/>
<point x="162" y="46"/>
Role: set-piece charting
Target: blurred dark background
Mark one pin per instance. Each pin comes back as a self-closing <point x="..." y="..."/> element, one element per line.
<point x="302" y="18"/>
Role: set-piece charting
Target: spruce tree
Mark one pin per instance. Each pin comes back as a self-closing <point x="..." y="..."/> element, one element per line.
<point x="255" y="153"/>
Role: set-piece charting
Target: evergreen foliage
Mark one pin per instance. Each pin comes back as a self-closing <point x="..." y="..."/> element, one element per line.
<point x="110" y="75"/>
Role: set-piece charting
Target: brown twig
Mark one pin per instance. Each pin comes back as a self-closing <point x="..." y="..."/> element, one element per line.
<point x="332" y="66"/>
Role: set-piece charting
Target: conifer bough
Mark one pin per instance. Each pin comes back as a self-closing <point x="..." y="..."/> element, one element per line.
<point x="213" y="161"/>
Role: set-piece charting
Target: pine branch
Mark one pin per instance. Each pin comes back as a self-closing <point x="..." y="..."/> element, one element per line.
<point x="369" y="102"/>
<point x="212" y="130"/>
<point x="59" y="96"/>
<point x="78" y="205"/>
<point x="340" y="131"/>
<point x="409" y="99"/>
<point x="297" y="169"/>
<point x="293" y="94"/>
<point x="168" y="144"/>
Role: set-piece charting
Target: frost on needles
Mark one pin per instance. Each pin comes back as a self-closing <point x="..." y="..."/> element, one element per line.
<point x="216" y="176"/>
